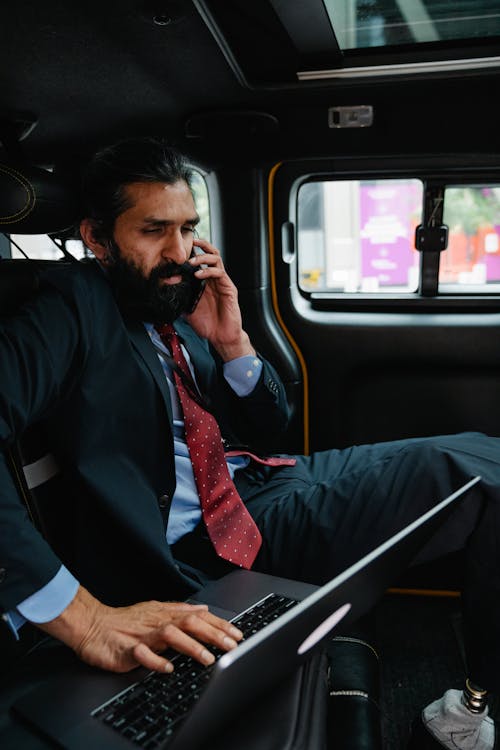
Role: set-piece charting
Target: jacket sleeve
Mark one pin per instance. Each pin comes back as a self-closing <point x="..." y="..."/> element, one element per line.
<point x="265" y="410"/>
<point x="259" y="419"/>
<point x="39" y="355"/>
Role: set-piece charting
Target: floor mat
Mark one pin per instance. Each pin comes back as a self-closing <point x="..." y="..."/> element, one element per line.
<point x="419" y="641"/>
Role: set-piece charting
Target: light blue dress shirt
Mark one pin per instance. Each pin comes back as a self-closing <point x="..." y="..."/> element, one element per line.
<point x="242" y="375"/>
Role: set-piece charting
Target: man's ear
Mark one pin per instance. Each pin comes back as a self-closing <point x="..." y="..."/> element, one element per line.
<point x="99" y="247"/>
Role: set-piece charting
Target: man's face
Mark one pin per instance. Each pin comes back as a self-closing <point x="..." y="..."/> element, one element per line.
<point x="152" y="241"/>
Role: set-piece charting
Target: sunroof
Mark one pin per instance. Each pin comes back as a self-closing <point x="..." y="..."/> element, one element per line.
<point x="362" y="24"/>
<point x="310" y="40"/>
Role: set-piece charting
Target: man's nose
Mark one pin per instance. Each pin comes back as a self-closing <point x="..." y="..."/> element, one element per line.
<point x="175" y="248"/>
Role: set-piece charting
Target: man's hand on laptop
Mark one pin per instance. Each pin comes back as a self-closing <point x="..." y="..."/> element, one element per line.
<point x="121" y="638"/>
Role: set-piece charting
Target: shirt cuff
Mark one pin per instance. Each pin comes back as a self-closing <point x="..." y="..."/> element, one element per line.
<point x="243" y="373"/>
<point x="49" y="601"/>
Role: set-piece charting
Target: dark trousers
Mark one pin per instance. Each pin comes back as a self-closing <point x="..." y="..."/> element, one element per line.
<point x="323" y="514"/>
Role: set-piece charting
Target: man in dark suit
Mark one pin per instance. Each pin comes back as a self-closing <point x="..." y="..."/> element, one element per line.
<point x="89" y="358"/>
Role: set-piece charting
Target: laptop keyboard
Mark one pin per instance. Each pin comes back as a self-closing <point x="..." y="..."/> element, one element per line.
<point x="149" y="711"/>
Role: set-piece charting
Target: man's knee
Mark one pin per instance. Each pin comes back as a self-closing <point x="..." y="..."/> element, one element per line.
<point x="460" y="456"/>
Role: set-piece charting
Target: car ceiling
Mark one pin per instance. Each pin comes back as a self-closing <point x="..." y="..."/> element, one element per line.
<point x="87" y="73"/>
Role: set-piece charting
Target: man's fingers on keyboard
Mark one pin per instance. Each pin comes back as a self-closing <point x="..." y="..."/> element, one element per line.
<point x="228" y="628"/>
<point x="147" y="658"/>
<point x="209" y="628"/>
<point x="173" y="637"/>
<point x="204" y="631"/>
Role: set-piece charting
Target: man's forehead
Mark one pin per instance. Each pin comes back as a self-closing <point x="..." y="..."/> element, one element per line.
<point x="150" y="197"/>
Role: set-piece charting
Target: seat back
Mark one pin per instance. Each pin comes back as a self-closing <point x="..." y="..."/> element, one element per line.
<point x="33" y="466"/>
<point x="32" y="201"/>
<point x="37" y="477"/>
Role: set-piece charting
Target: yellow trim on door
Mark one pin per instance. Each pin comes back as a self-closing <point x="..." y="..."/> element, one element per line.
<point x="274" y="297"/>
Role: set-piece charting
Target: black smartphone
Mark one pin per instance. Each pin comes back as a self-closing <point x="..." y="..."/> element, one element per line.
<point x="197" y="285"/>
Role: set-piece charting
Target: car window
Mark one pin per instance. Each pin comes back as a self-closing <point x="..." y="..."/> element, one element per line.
<point x="201" y="199"/>
<point x="358" y="235"/>
<point x="472" y="258"/>
<point x="42" y="247"/>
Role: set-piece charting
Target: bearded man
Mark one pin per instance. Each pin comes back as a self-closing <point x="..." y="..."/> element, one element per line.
<point x="111" y="356"/>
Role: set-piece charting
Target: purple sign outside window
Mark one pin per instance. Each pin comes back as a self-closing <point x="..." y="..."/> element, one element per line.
<point x="387" y="210"/>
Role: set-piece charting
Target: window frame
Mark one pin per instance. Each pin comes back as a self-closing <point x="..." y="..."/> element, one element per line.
<point x="434" y="172"/>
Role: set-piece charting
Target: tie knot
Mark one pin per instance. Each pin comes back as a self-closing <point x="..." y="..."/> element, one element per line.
<point x="166" y="330"/>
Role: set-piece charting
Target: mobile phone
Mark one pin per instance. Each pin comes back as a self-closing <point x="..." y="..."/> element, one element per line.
<point x="197" y="285"/>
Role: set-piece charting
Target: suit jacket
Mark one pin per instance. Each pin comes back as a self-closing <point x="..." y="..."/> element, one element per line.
<point x="70" y="360"/>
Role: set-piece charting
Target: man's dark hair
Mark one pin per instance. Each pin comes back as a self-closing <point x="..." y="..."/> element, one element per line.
<point x="144" y="159"/>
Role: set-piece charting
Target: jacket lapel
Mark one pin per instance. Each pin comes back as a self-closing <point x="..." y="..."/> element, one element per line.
<point x="199" y="353"/>
<point x="143" y="346"/>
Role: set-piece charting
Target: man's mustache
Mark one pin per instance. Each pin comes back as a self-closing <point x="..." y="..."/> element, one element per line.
<point x="185" y="270"/>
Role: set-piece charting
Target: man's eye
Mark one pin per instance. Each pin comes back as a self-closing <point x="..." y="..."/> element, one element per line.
<point x="156" y="230"/>
<point x="188" y="229"/>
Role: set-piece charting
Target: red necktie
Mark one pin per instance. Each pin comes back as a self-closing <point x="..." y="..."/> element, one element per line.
<point x="230" y="526"/>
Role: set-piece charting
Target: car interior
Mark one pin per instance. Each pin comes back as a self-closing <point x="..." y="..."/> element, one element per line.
<point x="347" y="165"/>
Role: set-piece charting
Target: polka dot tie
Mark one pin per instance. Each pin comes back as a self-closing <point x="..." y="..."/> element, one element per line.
<point x="230" y="526"/>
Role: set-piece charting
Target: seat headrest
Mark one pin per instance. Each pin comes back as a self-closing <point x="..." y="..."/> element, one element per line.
<point x="35" y="201"/>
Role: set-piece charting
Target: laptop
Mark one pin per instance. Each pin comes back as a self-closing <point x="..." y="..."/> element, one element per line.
<point x="89" y="708"/>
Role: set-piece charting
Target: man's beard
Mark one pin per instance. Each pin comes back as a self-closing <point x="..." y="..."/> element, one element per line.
<point x="144" y="298"/>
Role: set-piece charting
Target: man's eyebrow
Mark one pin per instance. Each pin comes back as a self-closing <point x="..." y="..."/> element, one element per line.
<point x="166" y="222"/>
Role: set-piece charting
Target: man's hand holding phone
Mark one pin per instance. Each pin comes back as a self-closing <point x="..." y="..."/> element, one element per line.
<point x="217" y="315"/>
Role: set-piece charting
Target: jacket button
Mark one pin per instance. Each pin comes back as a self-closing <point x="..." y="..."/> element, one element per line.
<point x="3" y="573"/>
<point x="273" y="386"/>
<point x="163" y="501"/>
